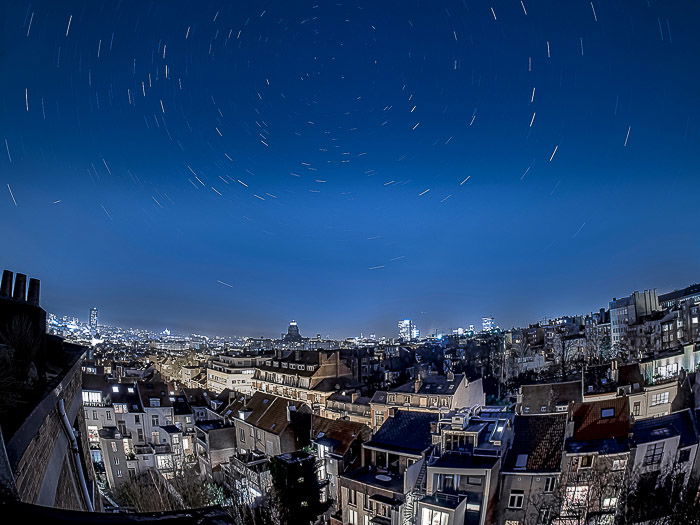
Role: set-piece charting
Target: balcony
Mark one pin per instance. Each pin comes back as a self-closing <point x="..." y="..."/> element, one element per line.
<point x="162" y="449"/>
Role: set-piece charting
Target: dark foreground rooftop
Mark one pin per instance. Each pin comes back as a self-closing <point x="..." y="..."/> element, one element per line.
<point x="13" y="512"/>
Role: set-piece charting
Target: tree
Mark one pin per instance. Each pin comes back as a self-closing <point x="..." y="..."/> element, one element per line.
<point x="151" y="492"/>
<point x="296" y="490"/>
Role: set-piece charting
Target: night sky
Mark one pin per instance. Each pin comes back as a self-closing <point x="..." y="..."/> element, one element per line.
<point x="225" y="167"/>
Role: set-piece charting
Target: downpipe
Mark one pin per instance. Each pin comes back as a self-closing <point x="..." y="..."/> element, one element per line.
<point x="76" y="455"/>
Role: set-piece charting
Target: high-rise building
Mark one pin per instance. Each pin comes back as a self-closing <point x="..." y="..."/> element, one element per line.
<point x="407" y="330"/>
<point x="93" y="319"/>
<point x="488" y="324"/>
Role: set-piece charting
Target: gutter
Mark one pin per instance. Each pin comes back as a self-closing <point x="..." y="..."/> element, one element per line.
<point x="70" y="433"/>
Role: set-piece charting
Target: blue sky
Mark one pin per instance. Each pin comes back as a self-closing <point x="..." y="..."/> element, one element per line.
<point x="284" y="149"/>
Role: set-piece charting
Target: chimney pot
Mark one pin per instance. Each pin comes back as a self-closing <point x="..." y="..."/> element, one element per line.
<point x="33" y="294"/>
<point x="6" y="288"/>
<point x="20" y="291"/>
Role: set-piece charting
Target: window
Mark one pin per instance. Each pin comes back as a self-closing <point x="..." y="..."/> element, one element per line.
<point x="109" y="415"/>
<point x="586" y="462"/>
<point x="119" y="473"/>
<point x="114" y="446"/>
<point x="352" y="517"/>
<point x="154" y="421"/>
<point x="515" y="501"/>
<point x="636" y="408"/>
<point x="115" y="389"/>
<point x="241" y="435"/>
<point x="352" y="497"/>
<point x="154" y="401"/>
<point x="609" y="503"/>
<point x="549" y="484"/>
<point x="543" y="517"/>
<point x="433" y="517"/>
<point x="94" y="414"/>
<point x="448" y="482"/>
<point x="576" y="496"/>
<point x="378" y="419"/>
<point x="120" y="408"/>
<point x="684" y="455"/>
<point x="164" y="462"/>
<point x="653" y="454"/>
<point x="139" y="434"/>
<point x="92" y="397"/>
<point x="619" y="464"/>
<point x="521" y="462"/>
<point x="137" y="419"/>
<point x="116" y="460"/>
<point x="659" y="399"/>
<point x="93" y="434"/>
<point x="607" y="413"/>
<point x="512" y="522"/>
<point x="176" y="439"/>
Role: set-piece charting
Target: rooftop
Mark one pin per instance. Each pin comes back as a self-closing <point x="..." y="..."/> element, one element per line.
<point x="432" y="384"/>
<point x="537" y="444"/>
<point x="405" y="432"/>
<point x="545" y="398"/>
<point x="681" y="424"/>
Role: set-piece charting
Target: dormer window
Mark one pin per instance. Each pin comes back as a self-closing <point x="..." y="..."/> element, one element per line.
<point x="154" y="402"/>
<point x="115" y="389"/>
<point x="607" y="413"/>
<point x="521" y="462"/>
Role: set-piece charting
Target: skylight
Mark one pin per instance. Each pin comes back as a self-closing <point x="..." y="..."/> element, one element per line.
<point x="521" y="461"/>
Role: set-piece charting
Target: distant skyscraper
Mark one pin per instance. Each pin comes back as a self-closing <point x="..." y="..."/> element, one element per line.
<point x="415" y="333"/>
<point x="93" y="319"/>
<point x="407" y="330"/>
<point x="488" y="324"/>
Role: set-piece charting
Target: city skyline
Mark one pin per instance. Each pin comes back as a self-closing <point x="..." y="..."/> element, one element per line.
<point x="227" y="169"/>
<point x="486" y="323"/>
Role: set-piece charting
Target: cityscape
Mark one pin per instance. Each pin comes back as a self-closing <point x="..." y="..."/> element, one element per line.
<point x="349" y="263"/>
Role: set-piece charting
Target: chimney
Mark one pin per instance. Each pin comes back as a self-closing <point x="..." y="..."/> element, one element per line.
<point x="290" y="410"/>
<point x="297" y="355"/>
<point x="450" y="376"/>
<point x="6" y="288"/>
<point x="418" y="383"/>
<point x="20" y="291"/>
<point x="354" y="396"/>
<point x="33" y="294"/>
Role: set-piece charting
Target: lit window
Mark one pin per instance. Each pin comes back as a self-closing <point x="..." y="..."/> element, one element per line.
<point x="619" y="464"/>
<point x="115" y="388"/>
<point x="609" y="503"/>
<point x="434" y="517"/>
<point x="659" y="399"/>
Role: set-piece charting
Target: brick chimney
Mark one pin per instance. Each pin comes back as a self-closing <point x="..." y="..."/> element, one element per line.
<point x="20" y="291"/>
<point x="6" y="288"/>
<point x="33" y="295"/>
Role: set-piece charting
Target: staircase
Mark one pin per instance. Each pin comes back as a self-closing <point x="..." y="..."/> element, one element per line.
<point x="415" y="494"/>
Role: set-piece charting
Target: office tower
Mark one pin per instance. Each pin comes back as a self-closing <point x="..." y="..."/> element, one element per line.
<point x="488" y="324"/>
<point x="93" y="319"/>
<point x="407" y="330"/>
